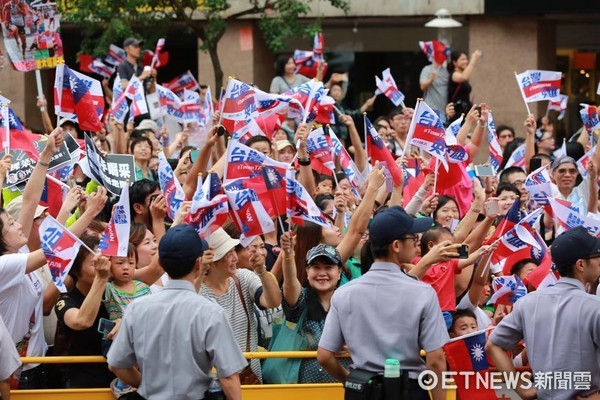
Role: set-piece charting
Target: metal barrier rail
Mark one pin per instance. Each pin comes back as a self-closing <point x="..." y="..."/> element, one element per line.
<point x="320" y="391"/>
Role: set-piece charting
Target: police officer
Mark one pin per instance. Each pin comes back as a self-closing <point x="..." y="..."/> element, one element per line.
<point x="386" y="313"/>
<point x="176" y="335"/>
<point x="560" y="325"/>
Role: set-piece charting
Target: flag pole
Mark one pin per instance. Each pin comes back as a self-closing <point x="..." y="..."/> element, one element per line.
<point x="366" y="139"/>
<point x="38" y="81"/>
<point x="468" y="335"/>
<point x="522" y="94"/>
<point x="262" y="167"/>
<point x="407" y="143"/>
<point x="435" y="177"/>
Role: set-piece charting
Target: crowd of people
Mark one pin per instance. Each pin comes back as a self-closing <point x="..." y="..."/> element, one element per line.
<point x="385" y="280"/>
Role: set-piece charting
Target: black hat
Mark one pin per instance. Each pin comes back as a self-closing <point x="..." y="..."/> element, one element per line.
<point x="181" y="243"/>
<point x="324" y="250"/>
<point x="576" y="244"/>
<point x="393" y="222"/>
<point x="131" y="41"/>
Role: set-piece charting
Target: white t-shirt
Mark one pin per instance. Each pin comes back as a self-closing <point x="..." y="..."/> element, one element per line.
<point x="20" y="295"/>
<point x="483" y="321"/>
<point x="9" y="359"/>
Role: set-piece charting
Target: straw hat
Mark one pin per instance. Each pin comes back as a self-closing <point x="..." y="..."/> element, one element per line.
<point x="221" y="242"/>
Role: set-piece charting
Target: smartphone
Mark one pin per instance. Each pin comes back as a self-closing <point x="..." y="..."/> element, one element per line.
<point x="492" y="208"/>
<point x="534" y="164"/>
<point x="463" y="251"/>
<point x="221" y="130"/>
<point x="105" y="326"/>
<point x="484" y="170"/>
<point x="478" y="108"/>
<point x="194" y="155"/>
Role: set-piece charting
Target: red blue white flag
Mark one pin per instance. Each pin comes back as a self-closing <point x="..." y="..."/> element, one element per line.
<point x="351" y="171"/>
<point x="435" y="51"/>
<point x="115" y="238"/>
<point x="469" y="354"/>
<point x="559" y="105"/>
<point x="307" y="98"/>
<point x="454" y="128"/>
<point x="496" y="156"/>
<point x="517" y="158"/>
<point x="242" y="162"/>
<point x="99" y="67"/>
<point x="539" y="185"/>
<point x="248" y="213"/>
<point x="539" y="85"/>
<point x="589" y="117"/>
<point x="388" y="87"/>
<point x="159" y="46"/>
<point x="584" y="161"/>
<point x="135" y="92"/>
<point x="318" y="47"/>
<point x="507" y="290"/>
<point x="183" y="81"/>
<point x="53" y="195"/>
<point x="60" y="248"/>
<point x="300" y="205"/>
<point x="167" y="99"/>
<point x="427" y="132"/>
<point x="170" y="187"/>
<point x="209" y="208"/>
<point x="5" y="115"/>
<point x="116" y="55"/>
<point x="568" y="219"/>
<point x="79" y="98"/>
<point x="308" y="61"/>
<point x="275" y="184"/>
<point x="238" y="102"/>
<point x="378" y="151"/>
<point x="119" y="106"/>
<point x="320" y="149"/>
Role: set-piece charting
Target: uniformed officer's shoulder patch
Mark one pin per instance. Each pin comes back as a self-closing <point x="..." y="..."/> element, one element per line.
<point x="60" y="305"/>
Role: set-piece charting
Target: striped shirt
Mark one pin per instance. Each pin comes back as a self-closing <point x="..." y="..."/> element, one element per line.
<point x="234" y="310"/>
<point x="115" y="299"/>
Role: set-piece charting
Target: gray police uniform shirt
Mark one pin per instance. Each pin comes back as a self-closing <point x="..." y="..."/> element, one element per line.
<point x="385" y="314"/>
<point x="561" y="328"/>
<point x="176" y="336"/>
<point x="436" y="95"/>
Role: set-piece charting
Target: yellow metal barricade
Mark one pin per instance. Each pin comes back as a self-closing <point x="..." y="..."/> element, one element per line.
<point x="321" y="391"/>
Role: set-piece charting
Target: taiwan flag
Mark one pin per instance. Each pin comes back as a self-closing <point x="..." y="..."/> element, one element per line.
<point x="468" y="354"/>
<point x="170" y="186"/>
<point x="53" y="195"/>
<point x="209" y="205"/>
<point x="248" y="213"/>
<point x="378" y="151"/>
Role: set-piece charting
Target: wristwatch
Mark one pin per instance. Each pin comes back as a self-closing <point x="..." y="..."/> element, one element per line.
<point x="305" y="162"/>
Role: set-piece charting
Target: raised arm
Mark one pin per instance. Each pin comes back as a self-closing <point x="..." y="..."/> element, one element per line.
<point x="35" y="185"/>
<point x="361" y="216"/>
<point x="530" y="127"/>
<point x="43" y="106"/>
<point x="291" y="284"/>
<point x="460" y="77"/>
<point x="360" y="158"/>
<point x="471" y="119"/>
<point x="593" y="186"/>
<point x="200" y="165"/>
<point x="480" y="130"/>
<point x="305" y="176"/>
<point x="271" y="295"/>
<point x="466" y="224"/>
<point x="83" y="318"/>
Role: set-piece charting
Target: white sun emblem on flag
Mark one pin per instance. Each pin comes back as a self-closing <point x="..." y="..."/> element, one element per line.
<point x="73" y="83"/>
<point x="478" y="352"/>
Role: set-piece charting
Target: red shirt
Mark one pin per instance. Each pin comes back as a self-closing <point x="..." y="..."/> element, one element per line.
<point x="441" y="277"/>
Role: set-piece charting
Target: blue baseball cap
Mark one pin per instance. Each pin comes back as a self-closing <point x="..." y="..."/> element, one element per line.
<point x="181" y="243"/>
<point x="393" y="222"/>
<point x="576" y="244"/>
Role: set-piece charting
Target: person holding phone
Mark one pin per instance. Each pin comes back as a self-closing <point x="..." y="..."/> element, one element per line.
<point x="441" y="276"/>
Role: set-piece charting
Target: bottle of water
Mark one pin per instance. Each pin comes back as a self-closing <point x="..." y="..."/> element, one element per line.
<point x="392" y="383"/>
<point x="215" y="391"/>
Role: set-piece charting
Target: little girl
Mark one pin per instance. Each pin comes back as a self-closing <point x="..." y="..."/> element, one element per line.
<point x="120" y="291"/>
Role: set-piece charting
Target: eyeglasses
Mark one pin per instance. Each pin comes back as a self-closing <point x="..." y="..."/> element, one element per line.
<point x="414" y="238"/>
<point x="570" y="171"/>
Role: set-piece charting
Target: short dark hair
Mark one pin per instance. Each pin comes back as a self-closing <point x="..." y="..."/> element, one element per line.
<point x="139" y="191"/>
<point x="258" y="139"/>
<point x="566" y="270"/>
<point x="501" y="128"/>
<point x="379" y="249"/>
<point x="508" y="172"/>
<point x="177" y="269"/>
<point x="136" y="140"/>
<point x="395" y="111"/>
<point x="432" y="235"/>
<point x="442" y="201"/>
<point x="461" y="314"/>
<point x="322" y="200"/>
<point x="518" y="267"/>
<point x="507" y="187"/>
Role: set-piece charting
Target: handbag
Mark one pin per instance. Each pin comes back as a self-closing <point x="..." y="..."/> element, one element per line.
<point x="247" y="376"/>
<point x="285" y="370"/>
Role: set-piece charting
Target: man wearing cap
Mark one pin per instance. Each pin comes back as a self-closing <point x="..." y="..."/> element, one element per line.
<point x="176" y="336"/>
<point x="560" y="324"/>
<point x="131" y="67"/>
<point x="385" y="313"/>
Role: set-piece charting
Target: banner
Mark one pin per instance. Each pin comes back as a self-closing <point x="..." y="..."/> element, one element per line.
<point x="209" y="205"/>
<point x="31" y="34"/>
<point x="538" y="85"/>
<point x="539" y="185"/>
<point x="170" y="186"/>
<point x="115" y="238"/>
<point x="113" y="171"/>
<point x="60" y="248"/>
